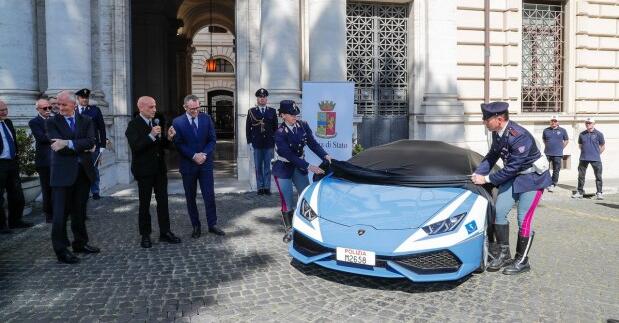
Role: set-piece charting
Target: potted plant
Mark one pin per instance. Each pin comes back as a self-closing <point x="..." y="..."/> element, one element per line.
<point x="25" y="157"/>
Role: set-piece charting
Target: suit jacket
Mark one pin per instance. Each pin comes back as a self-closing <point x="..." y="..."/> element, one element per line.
<point x="95" y="114"/>
<point x="9" y="124"/>
<point x="188" y="144"/>
<point x="43" y="144"/>
<point x="147" y="156"/>
<point x="518" y="151"/>
<point x="65" y="162"/>
<point x="260" y="127"/>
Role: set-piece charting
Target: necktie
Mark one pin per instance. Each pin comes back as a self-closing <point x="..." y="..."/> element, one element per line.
<point x="9" y="139"/>
<point x="81" y="110"/>
<point x="262" y="110"/>
<point x="72" y="123"/>
<point x="150" y="123"/>
<point x="194" y="126"/>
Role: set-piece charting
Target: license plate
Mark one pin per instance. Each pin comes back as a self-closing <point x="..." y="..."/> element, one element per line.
<point x="356" y="256"/>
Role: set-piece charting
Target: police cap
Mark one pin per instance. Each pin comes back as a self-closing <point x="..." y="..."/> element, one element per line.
<point x="492" y="109"/>
<point x="84" y="93"/>
<point x="288" y="107"/>
<point x="262" y="93"/>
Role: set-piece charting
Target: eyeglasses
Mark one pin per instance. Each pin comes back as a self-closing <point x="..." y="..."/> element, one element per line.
<point x="46" y="108"/>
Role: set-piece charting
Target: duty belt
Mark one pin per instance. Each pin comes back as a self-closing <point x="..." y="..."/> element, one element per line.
<point x="280" y="158"/>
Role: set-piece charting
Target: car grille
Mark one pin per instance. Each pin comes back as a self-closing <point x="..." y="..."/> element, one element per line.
<point x="307" y="246"/>
<point x="430" y="263"/>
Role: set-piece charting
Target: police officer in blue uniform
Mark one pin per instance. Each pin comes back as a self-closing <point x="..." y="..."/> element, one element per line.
<point x="260" y="130"/>
<point x="92" y="111"/>
<point x="555" y="139"/>
<point x="290" y="167"/>
<point x="591" y="143"/>
<point x="522" y="180"/>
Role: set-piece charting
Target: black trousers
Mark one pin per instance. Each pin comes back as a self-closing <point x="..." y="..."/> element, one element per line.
<point x="46" y="190"/>
<point x="74" y="198"/>
<point x="555" y="164"/>
<point x="582" y="171"/>
<point x="11" y="184"/>
<point x="146" y="185"/>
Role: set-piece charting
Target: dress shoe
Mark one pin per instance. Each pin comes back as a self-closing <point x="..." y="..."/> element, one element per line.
<point x="5" y="231"/>
<point x="196" y="233"/>
<point x="96" y="196"/>
<point x="67" y="257"/>
<point x="146" y="243"/>
<point x="267" y="192"/>
<point x="217" y="231"/>
<point x="169" y="237"/>
<point x="20" y="225"/>
<point x="260" y="191"/>
<point x="87" y="249"/>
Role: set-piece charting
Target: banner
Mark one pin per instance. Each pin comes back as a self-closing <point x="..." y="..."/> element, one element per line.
<point x="328" y="108"/>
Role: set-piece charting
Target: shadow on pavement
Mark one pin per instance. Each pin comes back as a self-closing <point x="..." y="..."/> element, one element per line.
<point x="392" y="284"/>
<point x="610" y="205"/>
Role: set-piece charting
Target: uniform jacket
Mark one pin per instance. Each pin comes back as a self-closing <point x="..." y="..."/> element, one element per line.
<point x="97" y="117"/>
<point x="189" y="144"/>
<point x="42" y="142"/>
<point x="290" y="146"/>
<point x="260" y="128"/>
<point x="147" y="156"/>
<point x="65" y="162"/>
<point x="518" y="151"/>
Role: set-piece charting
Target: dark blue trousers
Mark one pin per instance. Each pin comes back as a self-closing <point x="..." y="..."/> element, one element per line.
<point x="204" y="176"/>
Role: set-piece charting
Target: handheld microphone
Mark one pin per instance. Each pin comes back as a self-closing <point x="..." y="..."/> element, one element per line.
<point x="156" y="123"/>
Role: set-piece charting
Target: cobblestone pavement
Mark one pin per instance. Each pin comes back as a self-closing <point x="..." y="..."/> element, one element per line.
<point x="248" y="276"/>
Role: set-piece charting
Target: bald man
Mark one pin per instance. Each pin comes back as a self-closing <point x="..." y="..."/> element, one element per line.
<point x="148" y="144"/>
<point x="9" y="175"/>
<point x="43" y="153"/>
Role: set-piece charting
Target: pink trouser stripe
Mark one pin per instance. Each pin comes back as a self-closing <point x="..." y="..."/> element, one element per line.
<point x="525" y="229"/>
<point x="281" y="196"/>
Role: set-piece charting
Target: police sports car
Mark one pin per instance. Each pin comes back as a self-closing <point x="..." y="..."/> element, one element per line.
<point x="402" y="210"/>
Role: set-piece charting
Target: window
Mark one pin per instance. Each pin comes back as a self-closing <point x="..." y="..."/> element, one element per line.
<point x="222" y="66"/>
<point x="542" y="56"/>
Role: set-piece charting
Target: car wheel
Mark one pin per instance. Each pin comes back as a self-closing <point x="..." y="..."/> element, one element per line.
<point x="484" y="257"/>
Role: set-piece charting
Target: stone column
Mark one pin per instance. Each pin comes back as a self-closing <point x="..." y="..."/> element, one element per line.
<point x="327" y="40"/>
<point x="279" y="46"/>
<point x="18" y="56"/>
<point x="69" y="57"/>
<point x="442" y="115"/>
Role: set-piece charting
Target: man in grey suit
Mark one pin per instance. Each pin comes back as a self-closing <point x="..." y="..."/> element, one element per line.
<point x="72" y="172"/>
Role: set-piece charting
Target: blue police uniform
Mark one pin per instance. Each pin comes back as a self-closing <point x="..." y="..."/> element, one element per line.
<point x="590" y="154"/>
<point x="518" y="182"/>
<point x="260" y="130"/>
<point x="291" y="167"/>
<point x="553" y="140"/>
<point x="95" y="114"/>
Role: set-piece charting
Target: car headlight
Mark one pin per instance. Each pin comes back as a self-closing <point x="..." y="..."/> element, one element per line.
<point x="307" y="212"/>
<point x="444" y="226"/>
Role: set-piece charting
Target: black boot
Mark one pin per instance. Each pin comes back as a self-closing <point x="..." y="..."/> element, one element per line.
<point x="503" y="257"/>
<point x="521" y="261"/>
<point x="287" y="219"/>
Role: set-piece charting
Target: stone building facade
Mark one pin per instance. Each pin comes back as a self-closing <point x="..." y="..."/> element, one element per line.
<point x="419" y="65"/>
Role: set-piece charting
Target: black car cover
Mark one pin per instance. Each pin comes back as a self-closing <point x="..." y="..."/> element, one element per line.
<point x="417" y="163"/>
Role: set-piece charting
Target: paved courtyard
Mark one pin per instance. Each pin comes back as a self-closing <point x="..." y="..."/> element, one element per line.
<point x="248" y="276"/>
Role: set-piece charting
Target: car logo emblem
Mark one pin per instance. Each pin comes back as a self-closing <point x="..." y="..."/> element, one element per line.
<point x="360" y="232"/>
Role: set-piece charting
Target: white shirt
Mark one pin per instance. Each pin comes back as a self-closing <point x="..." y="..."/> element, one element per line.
<point x="80" y="109"/>
<point x="262" y="108"/>
<point x="153" y="138"/>
<point x="189" y="117"/>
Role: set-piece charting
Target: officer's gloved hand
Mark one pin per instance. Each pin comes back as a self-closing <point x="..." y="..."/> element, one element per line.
<point x="325" y="166"/>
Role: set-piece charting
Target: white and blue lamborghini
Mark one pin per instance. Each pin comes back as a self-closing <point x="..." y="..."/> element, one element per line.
<point x="401" y="210"/>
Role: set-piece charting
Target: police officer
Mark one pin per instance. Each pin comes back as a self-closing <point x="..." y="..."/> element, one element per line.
<point x="260" y="130"/>
<point x="591" y="143"/>
<point x="92" y="111"/>
<point x="522" y="180"/>
<point x="290" y="167"/>
<point x="555" y="139"/>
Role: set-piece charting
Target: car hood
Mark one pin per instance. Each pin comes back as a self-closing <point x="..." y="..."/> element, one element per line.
<point x="383" y="207"/>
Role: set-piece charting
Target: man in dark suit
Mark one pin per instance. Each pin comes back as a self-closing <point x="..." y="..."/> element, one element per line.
<point x="149" y="169"/>
<point x="43" y="153"/>
<point x="195" y="141"/>
<point x="72" y="172"/>
<point x="83" y="108"/>
<point x="9" y="176"/>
